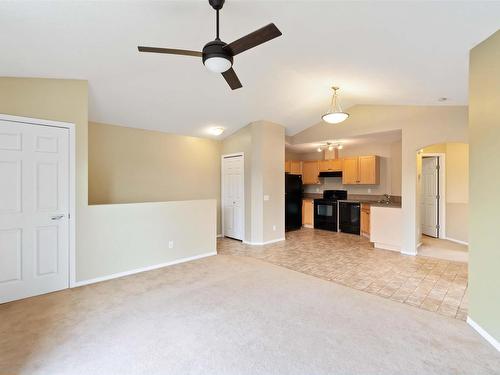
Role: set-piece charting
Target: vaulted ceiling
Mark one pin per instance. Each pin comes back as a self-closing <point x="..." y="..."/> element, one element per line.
<point x="377" y="52"/>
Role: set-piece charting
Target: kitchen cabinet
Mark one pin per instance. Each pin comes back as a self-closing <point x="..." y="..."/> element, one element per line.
<point x="361" y="170"/>
<point x="310" y="172"/>
<point x="293" y="167"/>
<point x="333" y="165"/>
<point x="365" y="219"/>
<point x="287" y="166"/>
<point x="308" y="212"/>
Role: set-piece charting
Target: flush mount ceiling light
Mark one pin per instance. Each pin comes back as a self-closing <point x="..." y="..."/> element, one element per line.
<point x="217" y="130"/>
<point x="335" y="114"/>
<point x="330" y="146"/>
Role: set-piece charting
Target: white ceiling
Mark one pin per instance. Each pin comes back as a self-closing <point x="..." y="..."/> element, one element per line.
<point x="377" y="52"/>
<point x="381" y="137"/>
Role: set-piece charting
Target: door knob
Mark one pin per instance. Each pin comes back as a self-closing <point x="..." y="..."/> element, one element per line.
<point x="57" y="217"/>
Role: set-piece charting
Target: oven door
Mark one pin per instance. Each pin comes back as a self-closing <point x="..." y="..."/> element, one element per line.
<point x="325" y="215"/>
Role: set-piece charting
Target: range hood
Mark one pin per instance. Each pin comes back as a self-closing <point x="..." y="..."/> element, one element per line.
<point x="330" y="174"/>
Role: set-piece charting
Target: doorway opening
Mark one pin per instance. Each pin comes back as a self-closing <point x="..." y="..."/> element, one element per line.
<point x="442" y="201"/>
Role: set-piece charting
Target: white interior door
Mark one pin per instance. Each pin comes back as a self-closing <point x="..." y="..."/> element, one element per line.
<point x="430" y="196"/>
<point x="34" y="207"/>
<point x="233" y="197"/>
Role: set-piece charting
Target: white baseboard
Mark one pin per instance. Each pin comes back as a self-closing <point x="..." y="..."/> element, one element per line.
<point x="386" y="246"/>
<point x="264" y="243"/>
<point x="457" y="241"/>
<point x="419" y="244"/>
<point x="483" y="333"/>
<point x="308" y="226"/>
<point x="219" y="236"/>
<point x="142" y="269"/>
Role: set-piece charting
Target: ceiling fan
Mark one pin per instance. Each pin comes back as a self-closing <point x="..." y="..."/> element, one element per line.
<point x="218" y="56"/>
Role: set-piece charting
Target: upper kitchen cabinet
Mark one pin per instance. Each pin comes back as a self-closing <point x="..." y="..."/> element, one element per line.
<point x="361" y="170"/>
<point x="310" y="172"/>
<point x="287" y="166"/>
<point x="293" y="166"/>
<point x="334" y="165"/>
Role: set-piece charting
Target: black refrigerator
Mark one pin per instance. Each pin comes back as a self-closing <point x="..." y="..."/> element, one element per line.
<point x="293" y="202"/>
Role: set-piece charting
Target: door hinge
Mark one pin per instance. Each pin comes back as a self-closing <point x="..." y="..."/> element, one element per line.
<point x="437" y="226"/>
<point x="438" y="167"/>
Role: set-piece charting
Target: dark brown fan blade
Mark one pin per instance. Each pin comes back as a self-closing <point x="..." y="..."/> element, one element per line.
<point x="251" y="40"/>
<point x="170" y="51"/>
<point x="232" y="79"/>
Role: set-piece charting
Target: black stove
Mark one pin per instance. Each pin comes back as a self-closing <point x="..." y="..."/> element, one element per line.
<point x="326" y="209"/>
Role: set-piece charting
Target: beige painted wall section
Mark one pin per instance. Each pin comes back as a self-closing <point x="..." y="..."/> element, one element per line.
<point x="132" y="165"/>
<point x="66" y="100"/>
<point x="263" y="144"/>
<point x="484" y="115"/>
<point x="420" y="126"/>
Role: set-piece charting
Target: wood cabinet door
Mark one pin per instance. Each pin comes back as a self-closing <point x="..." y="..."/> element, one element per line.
<point x="295" y="167"/>
<point x="324" y="165"/>
<point x="336" y="165"/>
<point x="287" y="166"/>
<point x="368" y="170"/>
<point x="310" y="171"/>
<point x="365" y="220"/>
<point x="307" y="212"/>
<point x="350" y="171"/>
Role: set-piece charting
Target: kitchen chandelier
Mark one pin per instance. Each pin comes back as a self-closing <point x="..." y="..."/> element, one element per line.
<point x="335" y="114"/>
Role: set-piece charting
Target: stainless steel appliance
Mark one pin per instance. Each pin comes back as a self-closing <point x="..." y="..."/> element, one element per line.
<point x="349" y="217"/>
<point x="325" y="209"/>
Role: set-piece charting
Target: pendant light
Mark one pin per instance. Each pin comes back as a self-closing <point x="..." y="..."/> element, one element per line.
<point x="335" y="114"/>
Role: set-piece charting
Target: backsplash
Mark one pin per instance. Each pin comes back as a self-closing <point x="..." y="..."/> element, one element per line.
<point x="335" y="183"/>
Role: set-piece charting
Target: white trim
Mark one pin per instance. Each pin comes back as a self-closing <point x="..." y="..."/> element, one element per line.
<point x="308" y="226"/>
<point x="483" y="333"/>
<point x="385" y="246"/>
<point x="72" y="182"/>
<point x="220" y="236"/>
<point x="242" y="154"/>
<point x="264" y="243"/>
<point x="442" y="191"/>
<point x="457" y="241"/>
<point x="142" y="269"/>
<point x="419" y="244"/>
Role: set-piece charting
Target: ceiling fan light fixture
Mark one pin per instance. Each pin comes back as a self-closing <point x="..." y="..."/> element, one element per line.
<point x="218" y="64"/>
<point x="335" y="114"/>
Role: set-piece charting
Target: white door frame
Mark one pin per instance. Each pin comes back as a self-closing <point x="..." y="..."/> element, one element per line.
<point x="72" y="182"/>
<point x="242" y="154"/>
<point x="442" y="191"/>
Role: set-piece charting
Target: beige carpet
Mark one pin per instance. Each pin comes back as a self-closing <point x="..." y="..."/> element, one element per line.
<point x="232" y="315"/>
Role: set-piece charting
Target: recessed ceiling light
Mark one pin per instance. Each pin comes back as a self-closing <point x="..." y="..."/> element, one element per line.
<point x="218" y="130"/>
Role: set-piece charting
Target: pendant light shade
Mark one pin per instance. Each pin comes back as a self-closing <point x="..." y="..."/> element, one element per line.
<point x="335" y="114"/>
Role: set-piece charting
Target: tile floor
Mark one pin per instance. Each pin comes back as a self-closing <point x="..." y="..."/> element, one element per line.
<point x="432" y="284"/>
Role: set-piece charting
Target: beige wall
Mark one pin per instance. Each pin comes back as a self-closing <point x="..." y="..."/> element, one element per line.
<point x="131" y="166"/>
<point x="456" y="188"/>
<point x="66" y="100"/>
<point x="420" y="126"/>
<point x="263" y="144"/>
<point x="484" y="128"/>
<point x="390" y="169"/>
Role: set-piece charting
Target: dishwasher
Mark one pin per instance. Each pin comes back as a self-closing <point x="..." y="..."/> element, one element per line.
<point x="349" y="217"/>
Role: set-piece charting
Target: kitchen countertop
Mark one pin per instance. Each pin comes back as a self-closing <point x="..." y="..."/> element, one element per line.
<point x="371" y="200"/>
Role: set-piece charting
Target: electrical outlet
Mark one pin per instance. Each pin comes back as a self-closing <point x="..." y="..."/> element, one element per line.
<point x="369" y="190"/>
<point x="274" y="228"/>
<point x="317" y="190"/>
<point x="170" y="244"/>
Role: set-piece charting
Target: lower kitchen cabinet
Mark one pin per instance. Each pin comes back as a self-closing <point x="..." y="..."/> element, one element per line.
<point x="365" y="220"/>
<point x="308" y="212"/>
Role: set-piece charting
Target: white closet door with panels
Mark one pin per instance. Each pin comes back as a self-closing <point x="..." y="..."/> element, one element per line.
<point x="34" y="207"/>
<point x="430" y="196"/>
<point x="233" y="196"/>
